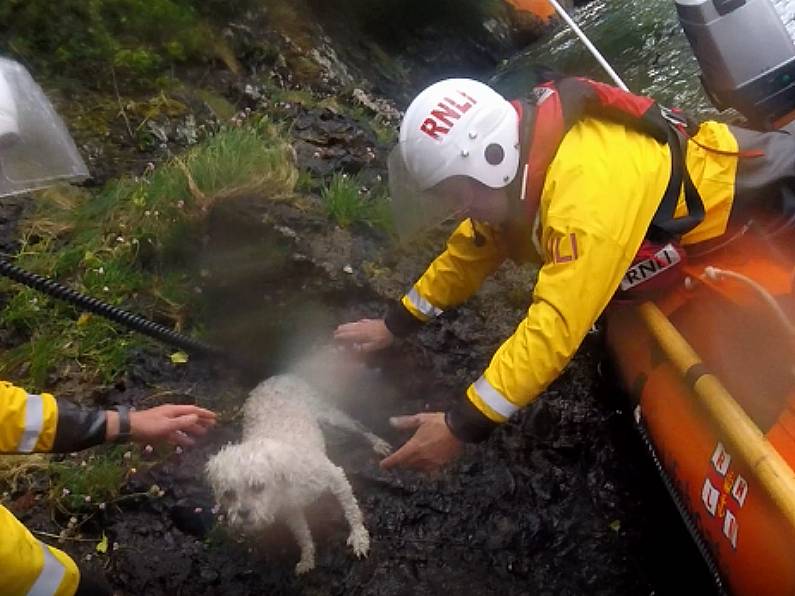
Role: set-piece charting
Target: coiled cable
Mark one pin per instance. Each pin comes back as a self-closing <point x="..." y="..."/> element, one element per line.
<point x="113" y="313"/>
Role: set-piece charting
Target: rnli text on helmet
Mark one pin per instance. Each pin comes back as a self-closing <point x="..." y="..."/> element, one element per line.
<point x="446" y="114"/>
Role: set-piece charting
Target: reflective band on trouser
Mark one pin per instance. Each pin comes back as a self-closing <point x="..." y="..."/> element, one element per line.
<point x="34" y="421"/>
<point x="422" y="305"/>
<point x="494" y="399"/>
<point x="50" y="577"/>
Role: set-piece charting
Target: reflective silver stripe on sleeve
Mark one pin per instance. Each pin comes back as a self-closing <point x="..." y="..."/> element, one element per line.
<point x="50" y="577"/>
<point x="34" y="421"/>
<point x="422" y="305"/>
<point x="494" y="399"/>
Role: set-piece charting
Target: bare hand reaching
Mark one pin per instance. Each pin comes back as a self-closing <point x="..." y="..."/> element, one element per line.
<point x="177" y="424"/>
<point x="430" y="448"/>
<point x="365" y="335"/>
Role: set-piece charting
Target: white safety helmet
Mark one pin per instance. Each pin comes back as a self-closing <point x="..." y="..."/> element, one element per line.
<point x="36" y="149"/>
<point x="456" y="127"/>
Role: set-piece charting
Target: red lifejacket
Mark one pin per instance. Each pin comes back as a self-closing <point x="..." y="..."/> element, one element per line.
<point x="554" y="107"/>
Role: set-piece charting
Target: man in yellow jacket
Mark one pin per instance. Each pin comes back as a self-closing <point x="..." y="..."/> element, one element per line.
<point x="35" y="151"/>
<point x="583" y="213"/>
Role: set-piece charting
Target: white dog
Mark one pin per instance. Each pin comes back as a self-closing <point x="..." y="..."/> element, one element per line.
<point x="280" y="466"/>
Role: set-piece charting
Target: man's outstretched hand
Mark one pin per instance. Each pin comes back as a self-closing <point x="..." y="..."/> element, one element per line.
<point x="177" y="424"/>
<point x="430" y="448"/>
<point x="365" y="335"/>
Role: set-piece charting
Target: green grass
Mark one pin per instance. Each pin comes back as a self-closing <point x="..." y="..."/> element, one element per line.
<point x="131" y="244"/>
<point x="80" y="485"/>
<point x="346" y="203"/>
<point x="77" y="484"/>
<point x="139" y="39"/>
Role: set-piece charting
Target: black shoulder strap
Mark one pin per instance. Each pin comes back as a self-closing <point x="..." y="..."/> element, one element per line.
<point x="664" y="221"/>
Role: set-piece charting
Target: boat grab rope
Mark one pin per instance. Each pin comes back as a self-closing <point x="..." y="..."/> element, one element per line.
<point x="687" y="517"/>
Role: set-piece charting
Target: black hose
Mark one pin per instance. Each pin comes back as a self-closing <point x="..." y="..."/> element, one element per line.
<point x="112" y="313"/>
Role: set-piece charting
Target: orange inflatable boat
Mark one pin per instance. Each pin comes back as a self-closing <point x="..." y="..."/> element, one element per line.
<point x="711" y="372"/>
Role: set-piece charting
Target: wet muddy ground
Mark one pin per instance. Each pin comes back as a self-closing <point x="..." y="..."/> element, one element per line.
<point x="562" y="500"/>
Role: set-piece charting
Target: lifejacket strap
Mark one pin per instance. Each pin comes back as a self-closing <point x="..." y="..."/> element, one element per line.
<point x="664" y="221"/>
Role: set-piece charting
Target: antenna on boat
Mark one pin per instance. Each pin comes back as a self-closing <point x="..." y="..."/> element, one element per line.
<point x="591" y="48"/>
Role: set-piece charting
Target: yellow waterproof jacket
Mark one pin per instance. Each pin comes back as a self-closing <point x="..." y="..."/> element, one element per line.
<point x="39" y="423"/>
<point x="599" y="196"/>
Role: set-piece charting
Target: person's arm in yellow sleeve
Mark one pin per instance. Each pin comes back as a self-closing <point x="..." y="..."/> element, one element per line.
<point x="40" y="423"/>
<point x="582" y="271"/>
<point x="473" y="252"/>
<point x="34" y="423"/>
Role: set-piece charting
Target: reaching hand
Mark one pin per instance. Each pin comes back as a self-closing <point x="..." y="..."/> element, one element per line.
<point x="431" y="447"/>
<point x="365" y="335"/>
<point x="177" y="424"/>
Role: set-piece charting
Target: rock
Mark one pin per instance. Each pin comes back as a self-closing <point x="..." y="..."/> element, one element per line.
<point x="186" y="131"/>
<point x="208" y="576"/>
<point x="382" y="108"/>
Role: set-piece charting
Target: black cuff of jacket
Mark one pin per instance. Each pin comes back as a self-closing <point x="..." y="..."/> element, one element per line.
<point x="78" y="428"/>
<point x="400" y="321"/>
<point x="467" y="423"/>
